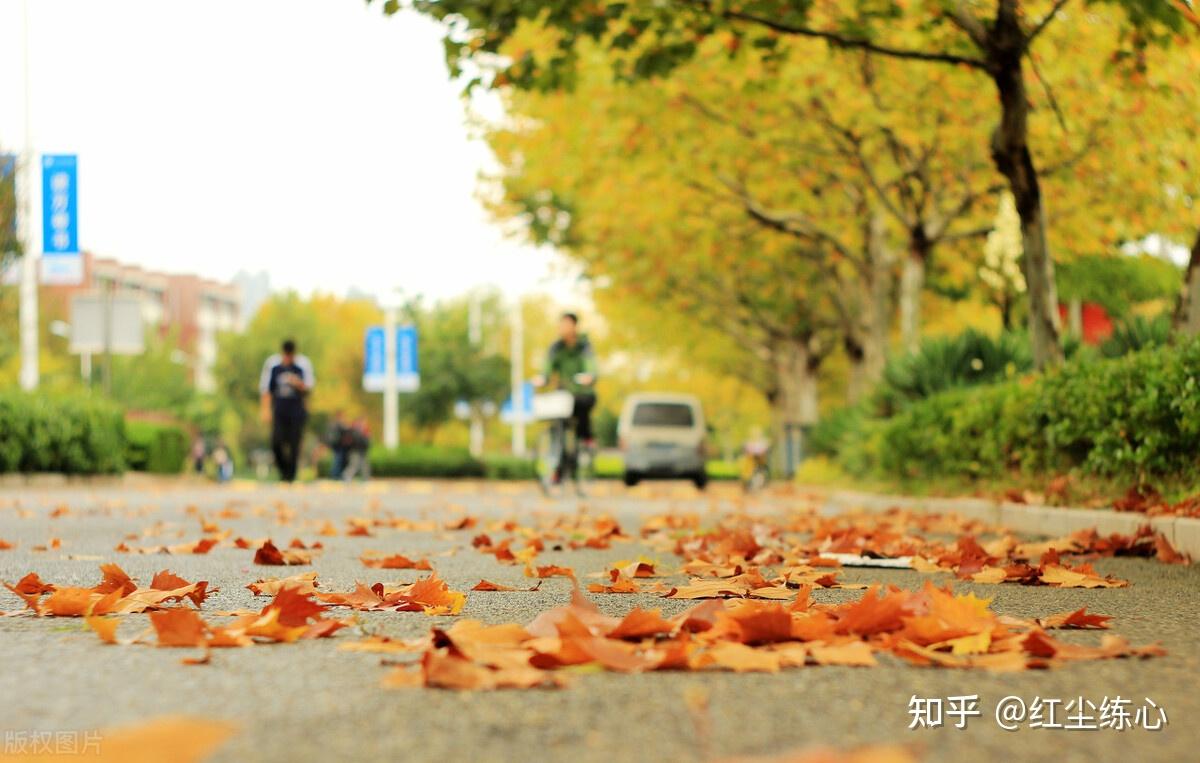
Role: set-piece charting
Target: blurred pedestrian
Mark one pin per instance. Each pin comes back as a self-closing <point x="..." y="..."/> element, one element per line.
<point x="286" y="381"/>
<point x="223" y="462"/>
<point x="339" y="437"/>
<point x="357" y="461"/>
<point x="199" y="451"/>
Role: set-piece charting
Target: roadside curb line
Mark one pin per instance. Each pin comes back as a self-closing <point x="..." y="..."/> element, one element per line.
<point x="19" y="480"/>
<point x="1032" y="519"/>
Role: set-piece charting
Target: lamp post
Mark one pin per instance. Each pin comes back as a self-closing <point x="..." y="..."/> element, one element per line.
<point x="27" y="231"/>
<point x="517" y="351"/>
<point x="391" y="303"/>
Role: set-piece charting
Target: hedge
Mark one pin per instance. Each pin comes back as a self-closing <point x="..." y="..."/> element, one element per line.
<point x="505" y="467"/>
<point x="1130" y="418"/>
<point x="155" y="447"/>
<point x="433" y="461"/>
<point x="417" y="461"/>
<point x="43" y="433"/>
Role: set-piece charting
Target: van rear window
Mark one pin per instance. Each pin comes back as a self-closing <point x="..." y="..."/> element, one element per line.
<point x="663" y="415"/>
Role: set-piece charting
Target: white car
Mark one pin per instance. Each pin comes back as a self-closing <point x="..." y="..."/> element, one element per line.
<point x="663" y="436"/>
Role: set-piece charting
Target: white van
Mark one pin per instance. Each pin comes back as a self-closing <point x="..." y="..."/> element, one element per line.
<point x="663" y="436"/>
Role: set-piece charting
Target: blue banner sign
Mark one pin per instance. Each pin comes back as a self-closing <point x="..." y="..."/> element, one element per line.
<point x="408" y="373"/>
<point x="61" y="261"/>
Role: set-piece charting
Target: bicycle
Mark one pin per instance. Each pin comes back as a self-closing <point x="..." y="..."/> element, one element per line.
<point x="753" y="470"/>
<point x="558" y="456"/>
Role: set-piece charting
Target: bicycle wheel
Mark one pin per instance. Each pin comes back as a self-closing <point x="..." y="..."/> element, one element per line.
<point x="585" y="459"/>
<point x="547" y="455"/>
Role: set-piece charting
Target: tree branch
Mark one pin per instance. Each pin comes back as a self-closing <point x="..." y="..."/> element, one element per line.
<point x="839" y="40"/>
<point x="1040" y="27"/>
<point x="979" y="232"/>
<point x="1037" y="72"/>
<point x="974" y="29"/>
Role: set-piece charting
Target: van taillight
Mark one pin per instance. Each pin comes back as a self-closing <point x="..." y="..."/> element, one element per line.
<point x="623" y="444"/>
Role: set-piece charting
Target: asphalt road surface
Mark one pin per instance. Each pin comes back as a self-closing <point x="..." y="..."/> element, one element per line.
<point x="311" y="701"/>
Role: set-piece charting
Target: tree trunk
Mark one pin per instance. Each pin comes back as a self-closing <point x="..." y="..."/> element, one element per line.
<point x="857" y="384"/>
<point x="796" y="405"/>
<point x="867" y="347"/>
<point x="796" y="370"/>
<point x="912" y="284"/>
<point x="1010" y="152"/>
<point x="1187" y="309"/>
<point x="879" y="307"/>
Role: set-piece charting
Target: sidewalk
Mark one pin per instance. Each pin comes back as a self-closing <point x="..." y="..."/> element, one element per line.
<point x="1182" y="532"/>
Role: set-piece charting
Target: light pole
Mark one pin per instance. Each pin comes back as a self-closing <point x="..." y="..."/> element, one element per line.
<point x="517" y="350"/>
<point x="391" y="302"/>
<point x="27" y="230"/>
<point x="391" y="392"/>
<point x="475" y="337"/>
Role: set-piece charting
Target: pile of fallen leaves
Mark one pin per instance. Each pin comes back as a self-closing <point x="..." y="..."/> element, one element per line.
<point x="116" y="594"/>
<point x="754" y="572"/>
<point x="296" y="612"/>
<point x="743" y="542"/>
<point x="1146" y="499"/>
<point x="291" y="616"/>
<point x="927" y="627"/>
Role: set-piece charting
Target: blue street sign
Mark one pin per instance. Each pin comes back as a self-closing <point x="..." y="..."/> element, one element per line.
<point x="506" y="408"/>
<point x="61" y="261"/>
<point x="408" y="374"/>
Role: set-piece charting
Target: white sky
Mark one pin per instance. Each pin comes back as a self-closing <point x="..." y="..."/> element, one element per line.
<point x="315" y="139"/>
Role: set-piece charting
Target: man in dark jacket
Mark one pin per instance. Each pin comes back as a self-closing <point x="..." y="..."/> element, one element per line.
<point x="286" y="381"/>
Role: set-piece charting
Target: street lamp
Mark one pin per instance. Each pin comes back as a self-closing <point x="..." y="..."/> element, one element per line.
<point x="391" y="302"/>
<point x="27" y="232"/>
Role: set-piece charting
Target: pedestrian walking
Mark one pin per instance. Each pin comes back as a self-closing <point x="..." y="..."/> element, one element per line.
<point x="357" y="462"/>
<point x="339" y="437"/>
<point x="224" y="463"/>
<point x="287" y="380"/>
<point x="198" y="455"/>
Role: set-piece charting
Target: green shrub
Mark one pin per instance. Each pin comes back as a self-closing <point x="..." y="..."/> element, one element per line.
<point x="611" y="466"/>
<point x="155" y="447"/>
<point x="40" y="433"/>
<point x="1128" y="418"/>
<point x="1133" y="416"/>
<point x="417" y="461"/>
<point x="723" y="470"/>
<point x="1137" y="333"/>
<point x="941" y="363"/>
<point x="967" y="432"/>
<point x="506" y="467"/>
<point x="829" y="435"/>
<point x="608" y="466"/>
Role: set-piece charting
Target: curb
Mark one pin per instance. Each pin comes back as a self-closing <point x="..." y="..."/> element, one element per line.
<point x="1032" y="519"/>
<point x="56" y="480"/>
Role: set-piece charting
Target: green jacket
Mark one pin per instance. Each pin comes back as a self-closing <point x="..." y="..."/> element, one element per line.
<point x="566" y="362"/>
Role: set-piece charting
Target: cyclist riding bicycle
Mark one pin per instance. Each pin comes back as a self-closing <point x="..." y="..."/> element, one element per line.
<point x="572" y="364"/>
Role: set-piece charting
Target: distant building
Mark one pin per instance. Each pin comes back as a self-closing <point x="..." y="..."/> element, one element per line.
<point x="256" y="289"/>
<point x="197" y="308"/>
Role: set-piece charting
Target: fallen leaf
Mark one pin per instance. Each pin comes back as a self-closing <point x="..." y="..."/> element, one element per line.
<point x="487" y="585"/>
<point x="268" y="554"/>
<point x="1077" y="619"/>
<point x="396" y="562"/>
